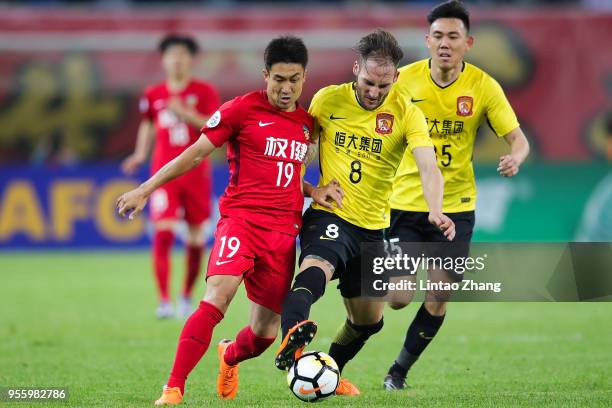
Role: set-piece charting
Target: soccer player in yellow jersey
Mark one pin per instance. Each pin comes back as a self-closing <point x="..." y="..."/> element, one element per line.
<point x="456" y="97"/>
<point x="364" y="129"/>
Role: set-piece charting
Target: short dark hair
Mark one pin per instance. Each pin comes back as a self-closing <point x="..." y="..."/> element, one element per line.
<point x="450" y="9"/>
<point x="380" y="44"/>
<point x="286" y="49"/>
<point x="178" y="39"/>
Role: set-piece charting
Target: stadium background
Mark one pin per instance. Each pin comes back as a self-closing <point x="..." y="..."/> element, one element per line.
<point x="71" y="74"/>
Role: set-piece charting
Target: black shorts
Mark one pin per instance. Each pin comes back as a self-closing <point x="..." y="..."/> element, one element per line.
<point x="412" y="226"/>
<point x="330" y="237"/>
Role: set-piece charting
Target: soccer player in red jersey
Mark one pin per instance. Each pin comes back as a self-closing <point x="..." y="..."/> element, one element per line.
<point x="173" y="112"/>
<point x="267" y="134"/>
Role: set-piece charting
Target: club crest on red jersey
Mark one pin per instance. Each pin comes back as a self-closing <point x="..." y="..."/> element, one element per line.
<point x="465" y="105"/>
<point x="306" y="132"/>
<point x="384" y="123"/>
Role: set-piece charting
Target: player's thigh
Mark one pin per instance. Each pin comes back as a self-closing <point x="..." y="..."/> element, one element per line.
<point x="164" y="203"/>
<point x="464" y="228"/>
<point x="326" y="237"/>
<point x="232" y="252"/>
<point x="406" y="226"/>
<point x="457" y="249"/>
<point x="268" y="283"/>
<point x="355" y="281"/>
<point x="195" y="199"/>
<point x="364" y="311"/>
<point x="263" y="321"/>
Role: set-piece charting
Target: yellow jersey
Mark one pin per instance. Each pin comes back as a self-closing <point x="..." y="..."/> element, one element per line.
<point x="362" y="149"/>
<point x="453" y="114"/>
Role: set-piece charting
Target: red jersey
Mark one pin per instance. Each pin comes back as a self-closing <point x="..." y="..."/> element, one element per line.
<point x="266" y="148"/>
<point x="173" y="134"/>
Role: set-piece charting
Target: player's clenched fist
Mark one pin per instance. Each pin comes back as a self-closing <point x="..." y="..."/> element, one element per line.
<point x="131" y="203"/>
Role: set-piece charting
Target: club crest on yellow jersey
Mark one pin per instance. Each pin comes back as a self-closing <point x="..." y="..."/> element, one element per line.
<point x="465" y="105"/>
<point x="384" y="123"/>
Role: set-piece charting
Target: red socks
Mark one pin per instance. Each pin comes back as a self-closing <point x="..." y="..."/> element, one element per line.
<point x="247" y="345"/>
<point x="162" y="243"/>
<point x="194" y="259"/>
<point x="193" y="342"/>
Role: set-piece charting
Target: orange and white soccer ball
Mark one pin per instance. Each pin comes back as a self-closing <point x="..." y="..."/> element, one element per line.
<point x="313" y="376"/>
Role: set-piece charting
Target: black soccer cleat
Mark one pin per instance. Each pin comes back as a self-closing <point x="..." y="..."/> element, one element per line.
<point x="394" y="382"/>
<point x="293" y="344"/>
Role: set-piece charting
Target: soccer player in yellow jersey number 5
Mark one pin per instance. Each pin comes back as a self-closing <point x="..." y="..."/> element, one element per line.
<point x="456" y="97"/>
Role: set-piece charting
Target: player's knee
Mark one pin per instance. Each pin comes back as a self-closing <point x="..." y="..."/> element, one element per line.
<point x="436" y="308"/>
<point x="266" y="328"/>
<point x="367" y="330"/>
<point x="311" y="279"/>
<point x="327" y="267"/>
<point x="219" y="296"/>
<point x="397" y="305"/>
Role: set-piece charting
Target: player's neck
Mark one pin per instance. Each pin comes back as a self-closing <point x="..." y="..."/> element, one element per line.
<point x="177" y="84"/>
<point x="445" y="77"/>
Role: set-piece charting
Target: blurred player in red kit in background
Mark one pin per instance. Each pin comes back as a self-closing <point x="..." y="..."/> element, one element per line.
<point x="173" y="111"/>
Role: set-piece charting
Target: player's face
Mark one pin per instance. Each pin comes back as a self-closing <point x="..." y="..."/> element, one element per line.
<point x="374" y="81"/>
<point x="448" y="41"/>
<point x="177" y="61"/>
<point x="284" y="84"/>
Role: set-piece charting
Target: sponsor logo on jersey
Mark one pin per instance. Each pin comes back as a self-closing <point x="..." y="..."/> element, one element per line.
<point x="264" y="124"/>
<point x="159" y="104"/>
<point x="415" y="100"/>
<point x="384" y="123"/>
<point x="191" y="100"/>
<point x="465" y="105"/>
<point x="332" y="117"/>
<point x="214" y="120"/>
<point x="280" y="148"/>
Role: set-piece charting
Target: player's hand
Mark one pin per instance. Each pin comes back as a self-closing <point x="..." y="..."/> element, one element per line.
<point x="508" y="166"/>
<point x="328" y="194"/>
<point x="131" y="203"/>
<point x="444" y="224"/>
<point x="131" y="164"/>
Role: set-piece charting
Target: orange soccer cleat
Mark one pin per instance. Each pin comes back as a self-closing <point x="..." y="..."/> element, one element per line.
<point x="170" y="396"/>
<point x="227" y="379"/>
<point x="346" y="388"/>
<point x="294" y="342"/>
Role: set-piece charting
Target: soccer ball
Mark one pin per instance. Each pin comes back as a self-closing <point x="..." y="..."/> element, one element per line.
<point x="313" y="376"/>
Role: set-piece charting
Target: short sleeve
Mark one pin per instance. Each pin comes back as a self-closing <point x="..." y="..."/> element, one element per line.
<point x="145" y="106"/>
<point x="224" y="123"/>
<point x="499" y="113"/>
<point x="415" y="128"/>
<point x="315" y="104"/>
<point x="208" y="100"/>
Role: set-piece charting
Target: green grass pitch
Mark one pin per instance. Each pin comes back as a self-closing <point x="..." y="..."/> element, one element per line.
<point x="85" y="320"/>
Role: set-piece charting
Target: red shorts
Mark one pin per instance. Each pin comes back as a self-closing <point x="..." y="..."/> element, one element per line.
<point x="266" y="260"/>
<point x="186" y="197"/>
